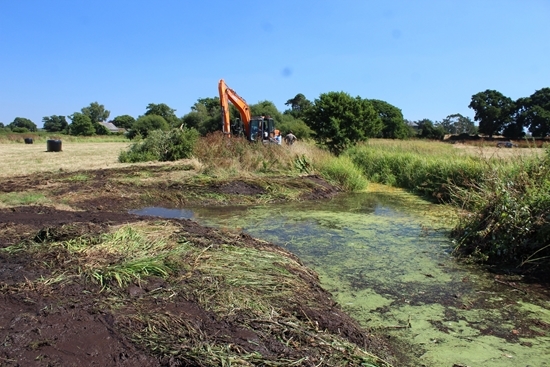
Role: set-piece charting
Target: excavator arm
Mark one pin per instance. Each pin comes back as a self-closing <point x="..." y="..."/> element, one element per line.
<point x="229" y="95"/>
<point x="258" y="128"/>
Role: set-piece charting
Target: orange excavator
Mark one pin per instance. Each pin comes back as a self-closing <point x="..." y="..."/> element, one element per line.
<point x="254" y="128"/>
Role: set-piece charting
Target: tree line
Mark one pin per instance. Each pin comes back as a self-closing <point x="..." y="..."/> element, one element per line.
<point x="335" y="119"/>
<point x="498" y="114"/>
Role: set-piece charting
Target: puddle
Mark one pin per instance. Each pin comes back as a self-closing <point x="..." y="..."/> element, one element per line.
<point x="164" y="212"/>
<point x="385" y="257"/>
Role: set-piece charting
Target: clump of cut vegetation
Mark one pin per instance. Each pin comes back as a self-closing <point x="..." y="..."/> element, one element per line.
<point x="200" y="297"/>
<point x="162" y="146"/>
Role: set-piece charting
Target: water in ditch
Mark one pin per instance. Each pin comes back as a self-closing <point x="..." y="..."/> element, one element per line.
<point x="385" y="256"/>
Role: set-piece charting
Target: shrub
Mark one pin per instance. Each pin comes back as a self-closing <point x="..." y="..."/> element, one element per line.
<point x="20" y="130"/>
<point x="101" y="129"/>
<point x="162" y="146"/>
<point x="298" y="127"/>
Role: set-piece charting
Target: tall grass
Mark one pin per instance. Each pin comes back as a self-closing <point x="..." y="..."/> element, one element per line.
<point x="509" y="220"/>
<point x="238" y="157"/>
<point x="339" y="170"/>
<point x="427" y="168"/>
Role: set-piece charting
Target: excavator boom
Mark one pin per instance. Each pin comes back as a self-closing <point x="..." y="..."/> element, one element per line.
<point x="227" y="94"/>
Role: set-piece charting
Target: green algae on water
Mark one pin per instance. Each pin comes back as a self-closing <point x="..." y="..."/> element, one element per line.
<point x="385" y="256"/>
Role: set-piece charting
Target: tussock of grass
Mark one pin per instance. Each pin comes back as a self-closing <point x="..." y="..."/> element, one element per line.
<point x="343" y="172"/>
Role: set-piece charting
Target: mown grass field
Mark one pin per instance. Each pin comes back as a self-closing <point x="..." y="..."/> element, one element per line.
<point x="24" y="159"/>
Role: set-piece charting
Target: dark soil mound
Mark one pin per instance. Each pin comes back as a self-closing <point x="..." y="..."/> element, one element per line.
<point x="53" y="315"/>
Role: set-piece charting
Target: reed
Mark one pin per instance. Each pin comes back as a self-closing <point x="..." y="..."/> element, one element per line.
<point x="509" y="218"/>
<point x="426" y="168"/>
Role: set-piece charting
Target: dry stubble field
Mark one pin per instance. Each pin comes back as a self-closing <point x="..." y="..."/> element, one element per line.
<point x="494" y="152"/>
<point x="24" y="159"/>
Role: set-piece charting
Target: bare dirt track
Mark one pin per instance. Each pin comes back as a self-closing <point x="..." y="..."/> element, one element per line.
<point x="53" y="315"/>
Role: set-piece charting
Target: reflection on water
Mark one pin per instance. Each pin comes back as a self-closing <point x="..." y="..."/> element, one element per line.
<point x="385" y="257"/>
<point x="164" y="212"/>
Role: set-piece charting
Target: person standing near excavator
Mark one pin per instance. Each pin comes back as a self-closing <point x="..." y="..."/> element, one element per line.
<point x="290" y="138"/>
<point x="278" y="137"/>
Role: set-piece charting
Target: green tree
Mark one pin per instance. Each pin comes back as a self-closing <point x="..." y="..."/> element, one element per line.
<point x="513" y="130"/>
<point x="212" y="105"/>
<point x="96" y="112"/>
<point x="297" y="126"/>
<point x="534" y="112"/>
<point x="81" y="125"/>
<point x="163" y="110"/>
<point x="23" y="123"/>
<point x="124" y="121"/>
<point x="428" y="130"/>
<point x="493" y="110"/>
<point x="265" y="108"/>
<point x="340" y="120"/>
<point x="145" y="124"/>
<point x="392" y="118"/>
<point x="101" y="129"/>
<point x="205" y="115"/>
<point x="458" y="124"/>
<point x="54" y="123"/>
<point x="298" y="105"/>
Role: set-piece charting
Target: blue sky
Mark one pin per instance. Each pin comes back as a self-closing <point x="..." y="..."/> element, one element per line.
<point x="426" y="57"/>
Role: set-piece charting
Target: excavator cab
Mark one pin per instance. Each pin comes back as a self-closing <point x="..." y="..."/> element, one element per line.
<point x="260" y="128"/>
